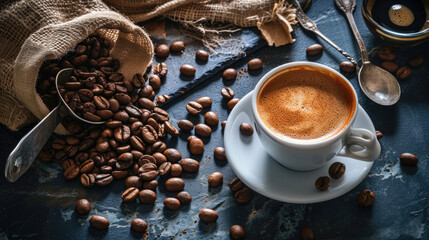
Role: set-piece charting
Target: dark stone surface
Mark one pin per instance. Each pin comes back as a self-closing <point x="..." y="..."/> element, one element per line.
<point x="41" y="204"/>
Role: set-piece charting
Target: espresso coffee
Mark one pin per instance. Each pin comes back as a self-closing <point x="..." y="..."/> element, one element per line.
<point x="305" y="104"/>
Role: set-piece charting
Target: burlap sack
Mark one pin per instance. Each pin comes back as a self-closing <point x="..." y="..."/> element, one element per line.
<point x="34" y="31"/>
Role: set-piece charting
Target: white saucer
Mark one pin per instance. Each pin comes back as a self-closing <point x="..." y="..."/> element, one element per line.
<point x="252" y="164"/>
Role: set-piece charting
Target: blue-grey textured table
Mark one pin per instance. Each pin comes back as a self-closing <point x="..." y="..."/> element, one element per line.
<point x="41" y="204"/>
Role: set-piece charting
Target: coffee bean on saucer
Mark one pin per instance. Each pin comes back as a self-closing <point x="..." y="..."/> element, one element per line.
<point x="99" y="222"/>
<point x="194" y="108"/>
<point x="211" y="119"/>
<point x="235" y="184"/>
<point x="229" y="74"/>
<point x="237" y="232"/>
<point x="408" y="159"/>
<point x="231" y="103"/>
<point x="227" y="93"/>
<point x="139" y="225"/>
<point x="174" y="184"/>
<point x="171" y="204"/>
<point x="223" y="124"/>
<point x="416" y="61"/>
<point x="389" y="66"/>
<point x="254" y="64"/>
<point x="155" y="82"/>
<point x="366" y="198"/>
<point x="386" y="54"/>
<point x="336" y="170"/>
<point x="187" y="70"/>
<point x="83" y="206"/>
<point x="162" y="51"/>
<point x="203" y="130"/>
<point x="205" y="102"/>
<point x="208" y="215"/>
<point x="202" y="55"/>
<point x="347" y="67"/>
<point x="314" y="49"/>
<point x="403" y="73"/>
<point x="185" y="125"/>
<point x="147" y="196"/>
<point x="323" y="183"/>
<point x="219" y="154"/>
<point x="196" y="145"/>
<point x="246" y="129"/>
<point x="190" y="165"/>
<point x="160" y="69"/>
<point x="130" y="195"/>
<point x="177" y="46"/>
<point x="215" y="179"/>
<point x="378" y="134"/>
<point x="307" y="233"/>
<point x="243" y="196"/>
<point x="184" y="198"/>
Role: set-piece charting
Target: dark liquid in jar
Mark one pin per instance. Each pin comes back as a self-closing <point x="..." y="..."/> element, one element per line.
<point x="380" y="14"/>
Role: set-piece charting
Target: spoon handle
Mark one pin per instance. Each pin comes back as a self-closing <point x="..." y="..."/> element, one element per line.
<point x="21" y="158"/>
<point x="348" y="6"/>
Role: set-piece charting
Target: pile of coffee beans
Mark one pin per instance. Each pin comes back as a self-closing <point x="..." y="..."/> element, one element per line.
<point x="388" y="56"/>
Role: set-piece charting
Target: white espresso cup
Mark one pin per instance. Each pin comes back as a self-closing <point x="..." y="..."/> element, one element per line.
<point x="355" y="143"/>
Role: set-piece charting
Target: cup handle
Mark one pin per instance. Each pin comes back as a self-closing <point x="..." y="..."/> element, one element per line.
<point x="370" y="147"/>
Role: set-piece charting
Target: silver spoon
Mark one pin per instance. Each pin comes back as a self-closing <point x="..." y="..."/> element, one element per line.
<point x="21" y="158"/>
<point x="378" y="84"/>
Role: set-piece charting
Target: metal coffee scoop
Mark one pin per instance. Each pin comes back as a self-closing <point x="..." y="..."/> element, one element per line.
<point x="21" y="158"/>
<point x="378" y="84"/>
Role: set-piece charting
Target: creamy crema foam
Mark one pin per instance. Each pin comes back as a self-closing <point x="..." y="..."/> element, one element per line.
<point x="305" y="103"/>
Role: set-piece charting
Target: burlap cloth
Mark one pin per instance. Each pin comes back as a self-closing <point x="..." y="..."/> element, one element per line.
<point x="34" y="31"/>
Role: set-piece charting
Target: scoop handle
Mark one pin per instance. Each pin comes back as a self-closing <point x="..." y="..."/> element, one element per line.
<point x="21" y="158"/>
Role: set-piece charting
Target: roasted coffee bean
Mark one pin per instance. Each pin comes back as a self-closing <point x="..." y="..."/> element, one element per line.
<point x="121" y="116"/>
<point x="164" y="169"/>
<point x="227" y="93"/>
<point x="101" y="102"/>
<point x="408" y="159"/>
<point x="99" y="222"/>
<point x="211" y="119"/>
<point x="147" y="196"/>
<point x="196" y="145"/>
<point x="208" y="215"/>
<point x="68" y="163"/>
<point x="172" y="155"/>
<point x="138" y="80"/>
<point x="171" y="204"/>
<point x="336" y="170"/>
<point x="219" y="154"/>
<point x="146" y="91"/>
<point x="307" y="233"/>
<point x="229" y="74"/>
<point x="190" y="165"/>
<point x="58" y="144"/>
<point x="174" y="184"/>
<point x="386" y="54"/>
<point x="136" y="128"/>
<point x="71" y="172"/>
<point x="202" y="55"/>
<point x="162" y="51"/>
<point x="203" y="130"/>
<point x="137" y="143"/>
<point x="215" y="179"/>
<point x="159" y="146"/>
<point x="243" y="196"/>
<point x="170" y="129"/>
<point x="116" y="77"/>
<point x="187" y="70"/>
<point x="347" y="67"/>
<point x="160" y="115"/>
<point x="120" y="174"/>
<point x="123" y="98"/>
<point x="403" y="73"/>
<point x="130" y="195"/>
<point x="177" y="46"/>
<point x="231" y="103"/>
<point x="194" y="108"/>
<point x="416" y="61"/>
<point x="323" y="183"/>
<point x="106" y="169"/>
<point x="151" y="185"/>
<point x="60" y="156"/>
<point x="122" y="134"/>
<point x="133" y="111"/>
<point x="223" y="124"/>
<point x="314" y="50"/>
<point x="146" y="159"/>
<point x="153" y="123"/>
<point x="160" y="69"/>
<point x="389" y="66"/>
<point x="378" y="134"/>
<point x="149" y="134"/>
<point x="148" y="171"/>
<point x="246" y="129"/>
<point x="83" y="206"/>
<point x="87" y="180"/>
<point x="46" y="156"/>
<point x="205" y="102"/>
<point x="87" y="166"/>
<point x="104" y="114"/>
<point x="72" y="85"/>
<point x="86" y="95"/>
<point x="92" y="117"/>
<point x="185" y="125"/>
<point x="133" y="181"/>
<point x="97" y="89"/>
<point x="86" y="144"/>
<point x="146" y="103"/>
<point x="161" y="99"/>
<point x="155" y="82"/>
<point x="71" y="150"/>
<point x="139" y="225"/>
<point x="366" y="198"/>
<point x="176" y="170"/>
<point x="184" y="198"/>
<point x="254" y="64"/>
<point x="159" y="157"/>
<point x="89" y="107"/>
<point x="237" y="232"/>
<point x="103" y="179"/>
